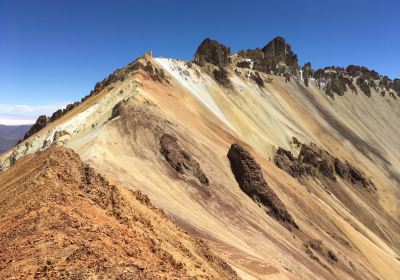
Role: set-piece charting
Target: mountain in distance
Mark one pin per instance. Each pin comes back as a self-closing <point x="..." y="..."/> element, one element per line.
<point x="10" y="135"/>
<point x="285" y="171"/>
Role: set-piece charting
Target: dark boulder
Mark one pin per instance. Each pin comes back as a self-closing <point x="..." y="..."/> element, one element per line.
<point x="180" y="160"/>
<point x="221" y="76"/>
<point x="257" y="78"/>
<point x="251" y="181"/>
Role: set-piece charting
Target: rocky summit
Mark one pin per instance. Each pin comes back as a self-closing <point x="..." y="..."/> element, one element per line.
<point x="231" y="165"/>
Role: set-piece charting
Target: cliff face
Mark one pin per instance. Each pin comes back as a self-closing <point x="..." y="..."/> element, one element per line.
<point x="344" y="194"/>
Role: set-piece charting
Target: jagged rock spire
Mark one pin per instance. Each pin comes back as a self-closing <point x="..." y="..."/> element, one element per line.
<point x="213" y="52"/>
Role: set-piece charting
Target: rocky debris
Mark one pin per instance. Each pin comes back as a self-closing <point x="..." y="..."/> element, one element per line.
<point x="251" y="181"/>
<point x="213" y="52"/>
<point x="275" y="58"/>
<point x="244" y="64"/>
<point x="335" y="80"/>
<point x="354" y="175"/>
<point x="40" y="123"/>
<point x="339" y="80"/>
<point x="318" y="247"/>
<point x="364" y="86"/>
<point x="180" y="160"/>
<point x="255" y="76"/>
<point x="221" y="76"/>
<point x="69" y="222"/>
<point x="313" y="161"/>
<point x="286" y="161"/>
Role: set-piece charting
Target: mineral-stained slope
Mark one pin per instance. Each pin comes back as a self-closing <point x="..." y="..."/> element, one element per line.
<point x="259" y="99"/>
<point x="60" y="219"/>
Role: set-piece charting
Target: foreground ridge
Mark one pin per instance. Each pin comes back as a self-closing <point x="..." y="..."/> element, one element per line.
<point x="61" y="219"/>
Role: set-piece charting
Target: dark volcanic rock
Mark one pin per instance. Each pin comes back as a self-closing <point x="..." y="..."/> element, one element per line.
<point x="249" y="175"/>
<point x="307" y="72"/>
<point x="221" y="76"/>
<point x="314" y="161"/>
<point x="395" y="85"/>
<point x="286" y="161"/>
<point x="275" y="58"/>
<point x="281" y="52"/>
<point x="364" y="86"/>
<point x="180" y="160"/>
<point x="362" y="71"/>
<point x="212" y="52"/>
<point x="61" y="112"/>
<point x="257" y="78"/>
<point x="243" y="64"/>
<point x="40" y="123"/>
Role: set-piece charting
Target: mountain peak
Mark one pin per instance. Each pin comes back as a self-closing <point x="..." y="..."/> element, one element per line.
<point x="213" y="52"/>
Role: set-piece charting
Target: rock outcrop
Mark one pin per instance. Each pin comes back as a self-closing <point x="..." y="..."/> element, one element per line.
<point x="180" y="160"/>
<point x="307" y="72"/>
<point x="213" y="52"/>
<point x="314" y="161"/>
<point x="40" y="123"/>
<point x="221" y="76"/>
<point x="275" y="58"/>
<point x="285" y="160"/>
<point x="338" y="80"/>
<point x="251" y="181"/>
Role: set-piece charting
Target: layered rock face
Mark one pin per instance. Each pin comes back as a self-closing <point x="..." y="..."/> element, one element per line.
<point x="249" y="176"/>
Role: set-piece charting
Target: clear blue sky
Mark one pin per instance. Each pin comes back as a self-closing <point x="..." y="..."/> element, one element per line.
<point x="54" y="51"/>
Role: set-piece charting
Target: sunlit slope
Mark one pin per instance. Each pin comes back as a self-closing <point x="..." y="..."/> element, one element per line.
<point x="123" y="141"/>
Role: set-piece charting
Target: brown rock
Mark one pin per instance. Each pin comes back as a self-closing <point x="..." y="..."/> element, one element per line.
<point x="180" y="160"/>
<point x="251" y="181"/>
<point x="221" y="76"/>
<point x="286" y="161"/>
<point x="213" y="52"/>
<point x="40" y="123"/>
